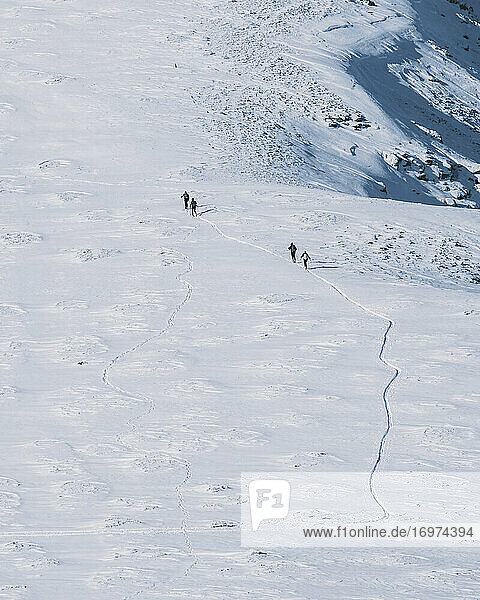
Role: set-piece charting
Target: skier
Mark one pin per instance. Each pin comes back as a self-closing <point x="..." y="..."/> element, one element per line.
<point x="293" y="252"/>
<point x="186" y="198"/>
<point x="305" y="258"/>
<point x="193" y="207"/>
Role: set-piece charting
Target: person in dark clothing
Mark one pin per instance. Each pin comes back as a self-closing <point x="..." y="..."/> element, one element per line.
<point x="193" y="207"/>
<point x="293" y="252"/>
<point x="186" y="198"/>
<point x="305" y="259"/>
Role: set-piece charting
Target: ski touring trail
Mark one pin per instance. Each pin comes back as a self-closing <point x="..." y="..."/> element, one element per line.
<point x="381" y="353"/>
<point x="150" y="404"/>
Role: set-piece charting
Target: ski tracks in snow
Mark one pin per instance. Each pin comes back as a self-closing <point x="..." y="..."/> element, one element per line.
<point x="381" y="354"/>
<point x="132" y="424"/>
<point x="150" y="403"/>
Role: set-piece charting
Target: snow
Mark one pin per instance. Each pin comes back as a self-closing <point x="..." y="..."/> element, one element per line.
<point x="148" y="358"/>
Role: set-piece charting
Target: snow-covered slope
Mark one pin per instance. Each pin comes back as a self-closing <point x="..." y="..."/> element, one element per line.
<point x="313" y="91"/>
<point x="148" y="357"/>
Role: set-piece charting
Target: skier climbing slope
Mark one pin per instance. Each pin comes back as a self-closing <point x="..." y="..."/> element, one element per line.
<point x="305" y="257"/>
<point x="186" y="199"/>
<point x="293" y="252"/>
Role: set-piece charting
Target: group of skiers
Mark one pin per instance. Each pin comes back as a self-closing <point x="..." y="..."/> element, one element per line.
<point x="192" y="205"/>
<point x="293" y="253"/>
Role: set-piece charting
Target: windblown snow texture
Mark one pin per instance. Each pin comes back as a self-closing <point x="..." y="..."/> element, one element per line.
<point x="148" y="357"/>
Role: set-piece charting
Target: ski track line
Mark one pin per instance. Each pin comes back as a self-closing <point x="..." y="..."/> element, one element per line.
<point x="381" y="354"/>
<point x="150" y="403"/>
<point x="50" y="533"/>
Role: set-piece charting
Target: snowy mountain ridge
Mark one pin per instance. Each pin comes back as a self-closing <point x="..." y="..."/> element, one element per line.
<point x="287" y="78"/>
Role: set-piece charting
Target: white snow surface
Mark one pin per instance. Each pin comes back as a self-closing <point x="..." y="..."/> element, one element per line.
<point x="148" y="357"/>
